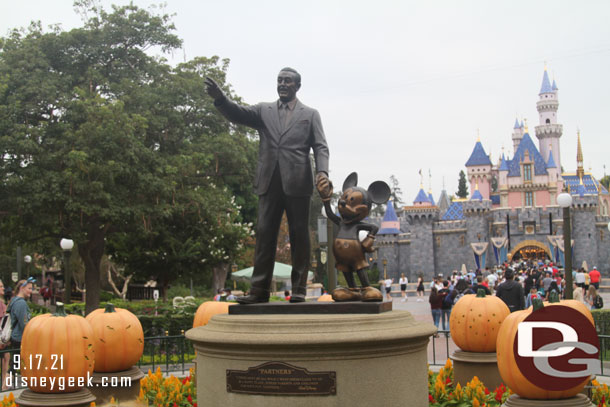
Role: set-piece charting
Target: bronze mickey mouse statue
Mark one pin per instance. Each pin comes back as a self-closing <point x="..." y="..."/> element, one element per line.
<point x="354" y="206"/>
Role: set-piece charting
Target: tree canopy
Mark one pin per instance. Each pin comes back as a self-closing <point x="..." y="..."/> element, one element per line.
<point x="462" y="191"/>
<point x="115" y="148"/>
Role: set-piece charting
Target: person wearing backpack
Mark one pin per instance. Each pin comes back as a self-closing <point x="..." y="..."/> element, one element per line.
<point x="449" y="296"/>
<point x="20" y="311"/>
<point x="594" y="299"/>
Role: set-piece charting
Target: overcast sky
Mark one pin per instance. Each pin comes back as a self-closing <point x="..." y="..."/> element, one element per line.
<point x="403" y="85"/>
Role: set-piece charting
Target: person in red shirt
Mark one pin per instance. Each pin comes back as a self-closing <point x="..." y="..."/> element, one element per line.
<point x="595" y="277"/>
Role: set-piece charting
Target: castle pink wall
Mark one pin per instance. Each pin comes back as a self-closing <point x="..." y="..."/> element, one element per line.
<point x="514" y="200"/>
<point x="542" y="198"/>
<point x="484" y="187"/>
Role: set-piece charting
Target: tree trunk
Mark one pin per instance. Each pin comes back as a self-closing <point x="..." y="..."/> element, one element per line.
<point x="219" y="276"/>
<point x="91" y="253"/>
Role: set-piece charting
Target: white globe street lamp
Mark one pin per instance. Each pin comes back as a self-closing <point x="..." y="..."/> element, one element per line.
<point x="565" y="201"/>
<point x="67" y="245"/>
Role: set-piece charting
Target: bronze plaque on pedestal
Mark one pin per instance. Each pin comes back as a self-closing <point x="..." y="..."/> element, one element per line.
<point x="281" y="379"/>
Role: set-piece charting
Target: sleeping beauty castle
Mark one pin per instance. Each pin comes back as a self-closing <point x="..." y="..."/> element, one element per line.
<point x="512" y="212"/>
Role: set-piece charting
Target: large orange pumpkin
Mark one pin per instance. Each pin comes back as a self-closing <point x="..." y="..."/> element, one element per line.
<point x="55" y="348"/>
<point x="475" y="322"/>
<point x="577" y="305"/>
<point x="118" y="338"/>
<point x="507" y="365"/>
<point x="208" y="309"/>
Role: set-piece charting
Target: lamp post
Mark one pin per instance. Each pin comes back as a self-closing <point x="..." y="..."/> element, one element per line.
<point x="67" y="245"/>
<point x="233" y="270"/>
<point x="385" y="269"/>
<point x="27" y="259"/>
<point x="565" y="201"/>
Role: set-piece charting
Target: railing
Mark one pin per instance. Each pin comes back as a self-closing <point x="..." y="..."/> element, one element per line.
<point x="445" y="336"/>
<point x="170" y="353"/>
<point x="173" y="354"/>
<point x="440" y="335"/>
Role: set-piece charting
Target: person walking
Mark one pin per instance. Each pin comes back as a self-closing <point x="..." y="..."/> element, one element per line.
<point x="595" y="277"/>
<point x="403" y="281"/>
<point x="20" y="311"/>
<point x="448" y="298"/>
<point x="511" y="292"/>
<point x="388" y="288"/>
<point x="436" y="302"/>
<point x="594" y="299"/>
<point x="420" y="288"/>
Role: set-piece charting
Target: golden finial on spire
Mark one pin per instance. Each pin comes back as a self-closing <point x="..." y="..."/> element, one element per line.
<point x="478" y="136"/>
<point x="476" y="185"/>
<point x="580" y="171"/>
<point x="525" y="125"/>
<point x="545" y="65"/>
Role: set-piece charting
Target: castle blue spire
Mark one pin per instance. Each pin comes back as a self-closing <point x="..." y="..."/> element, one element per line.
<point x="517" y="126"/>
<point x="390" y="225"/>
<point x="421" y="197"/>
<point x="503" y="164"/>
<point x="554" y="85"/>
<point x="478" y="156"/>
<point x="521" y="126"/>
<point x="546" y="84"/>
<point x="477" y="195"/>
<point x="431" y="198"/>
<point x="551" y="163"/>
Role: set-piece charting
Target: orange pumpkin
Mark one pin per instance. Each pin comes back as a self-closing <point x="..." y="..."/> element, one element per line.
<point x="507" y="364"/>
<point x="577" y="305"/>
<point x="118" y="338"/>
<point x="55" y="348"/>
<point x="208" y="309"/>
<point x="326" y="298"/>
<point x="475" y="322"/>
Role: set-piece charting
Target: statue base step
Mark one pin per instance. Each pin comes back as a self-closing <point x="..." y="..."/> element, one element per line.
<point x="81" y="398"/>
<point x="580" y="400"/>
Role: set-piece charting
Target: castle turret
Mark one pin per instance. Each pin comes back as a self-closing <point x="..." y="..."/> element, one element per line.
<point x="548" y="131"/>
<point x="503" y="182"/>
<point x="422" y="198"/>
<point x="390" y="225"/>
<point x="479" y="168"/>
<point x="517" y="134"/>
<point x="555" y="184"/>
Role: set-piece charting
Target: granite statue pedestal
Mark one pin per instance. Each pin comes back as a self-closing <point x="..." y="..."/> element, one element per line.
<point x="466" y="365"/>
<point x="123" y="386"/>
<point x="321" y="359"/>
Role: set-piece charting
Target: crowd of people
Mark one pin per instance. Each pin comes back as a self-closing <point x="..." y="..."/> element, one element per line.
<point x="517" y="284"/>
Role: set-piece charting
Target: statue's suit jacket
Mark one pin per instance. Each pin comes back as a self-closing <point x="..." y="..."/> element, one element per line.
<point x="287" y="146"/>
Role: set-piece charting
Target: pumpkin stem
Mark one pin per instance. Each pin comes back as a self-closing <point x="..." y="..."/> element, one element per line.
<point x="553" y="297"/>
<point x="480" y="293"/>
<point x="109" y="308"/>
<point x="537" y="304"/>
<point x="59" y="310"/>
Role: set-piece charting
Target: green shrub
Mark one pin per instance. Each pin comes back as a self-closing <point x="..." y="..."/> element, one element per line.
<point x="178" y="290"/>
